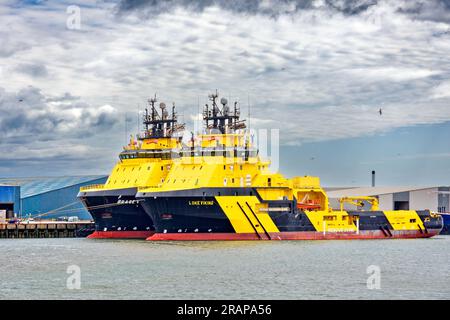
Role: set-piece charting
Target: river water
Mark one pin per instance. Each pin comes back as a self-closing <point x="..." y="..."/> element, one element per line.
<point x="134" y="269"/>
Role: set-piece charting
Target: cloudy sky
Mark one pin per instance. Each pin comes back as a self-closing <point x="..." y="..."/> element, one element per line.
<point x="319" y="71"/>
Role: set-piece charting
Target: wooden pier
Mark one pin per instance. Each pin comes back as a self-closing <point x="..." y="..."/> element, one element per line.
<point x="47" y="229"/>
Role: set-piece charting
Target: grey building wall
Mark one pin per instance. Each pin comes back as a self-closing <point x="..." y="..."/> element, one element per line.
<point x="386" y="201"/>
<point x="434" y="198"/>
<point x="401" y="200"/>
<point x="401" y="196"/>
<point x="424" y="199"/>
<point x="444" y="199"/>
<point x="59" y="202"/>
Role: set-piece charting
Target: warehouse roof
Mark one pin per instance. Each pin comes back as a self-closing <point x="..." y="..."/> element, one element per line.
<point x="372" y="191"/>
<point x="37" y="185"/>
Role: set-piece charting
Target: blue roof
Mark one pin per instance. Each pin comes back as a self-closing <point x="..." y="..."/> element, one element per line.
<point x="37" y="185"/>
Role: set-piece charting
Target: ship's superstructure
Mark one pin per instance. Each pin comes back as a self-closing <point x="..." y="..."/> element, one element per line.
<point x="145" y="161"/>
<point x="221" y="189"/>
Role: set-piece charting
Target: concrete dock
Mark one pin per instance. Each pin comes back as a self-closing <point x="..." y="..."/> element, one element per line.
<point x="47" y="229"/>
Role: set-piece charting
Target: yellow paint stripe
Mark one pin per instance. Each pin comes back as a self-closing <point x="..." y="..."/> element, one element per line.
<point x="267" y="222"/>
<point x="237" y="219"/>
<point x="264" y="218"/>
<point x="404" y="220"/>
<point x="316" y="219"/>
<point x="337" y="221"/>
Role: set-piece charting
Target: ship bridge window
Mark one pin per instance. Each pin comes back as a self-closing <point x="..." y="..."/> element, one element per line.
<point x="412" y="220"/>
<point x="269" y="182"/>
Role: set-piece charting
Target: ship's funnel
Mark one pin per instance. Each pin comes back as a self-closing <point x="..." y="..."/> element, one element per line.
<point x="373" y="178"/>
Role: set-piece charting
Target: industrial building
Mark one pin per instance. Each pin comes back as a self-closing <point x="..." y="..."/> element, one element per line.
<point x="9" y="201"/>
<point x="46" y="197"/>
<point x="434" y="198"/>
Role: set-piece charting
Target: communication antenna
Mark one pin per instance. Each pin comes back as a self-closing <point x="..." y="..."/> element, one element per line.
<point x="198" y="112"/>
<point x="126" y="128"/>
<point x="138" y="119"/>
<point x="248" y="105"/>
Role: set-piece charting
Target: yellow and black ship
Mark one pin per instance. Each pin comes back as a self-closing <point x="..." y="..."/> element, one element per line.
<point x="221" y="189"/>
<point x="145" y="161"/>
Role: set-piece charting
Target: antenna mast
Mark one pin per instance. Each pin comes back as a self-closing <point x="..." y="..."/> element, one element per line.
<point x="126" y="127"/>
<point x="138" y="119"/>
<point x="248" y="106"/>
<point x="198" y="112"/>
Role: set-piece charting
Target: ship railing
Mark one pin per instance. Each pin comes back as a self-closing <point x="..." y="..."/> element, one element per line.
<point x="92" y="186"/>
<point x="148" y="187"/>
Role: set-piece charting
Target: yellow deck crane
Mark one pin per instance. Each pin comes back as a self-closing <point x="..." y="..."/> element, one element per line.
<point x="359" y="202"/>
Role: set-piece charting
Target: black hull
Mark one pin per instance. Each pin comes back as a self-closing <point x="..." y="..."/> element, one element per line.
<point x="117" y="214"/>
<point x="176" y="212"/>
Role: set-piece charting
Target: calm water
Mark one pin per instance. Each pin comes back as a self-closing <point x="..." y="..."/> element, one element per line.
<point x="125" y="269"/>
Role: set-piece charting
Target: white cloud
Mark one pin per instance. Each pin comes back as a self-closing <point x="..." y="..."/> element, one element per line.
<point x="29" y="115"/>
<point x="442" y="90"/>
<point x="391" y="73"/>
<point x="320" y="73"/>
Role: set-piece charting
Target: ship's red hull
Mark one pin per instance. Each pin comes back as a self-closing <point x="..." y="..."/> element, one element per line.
<point x="304" y="235"/>
<point x="120" y="234"/>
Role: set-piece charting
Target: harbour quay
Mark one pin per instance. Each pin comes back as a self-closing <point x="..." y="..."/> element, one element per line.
<point x="47" y="229"/>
